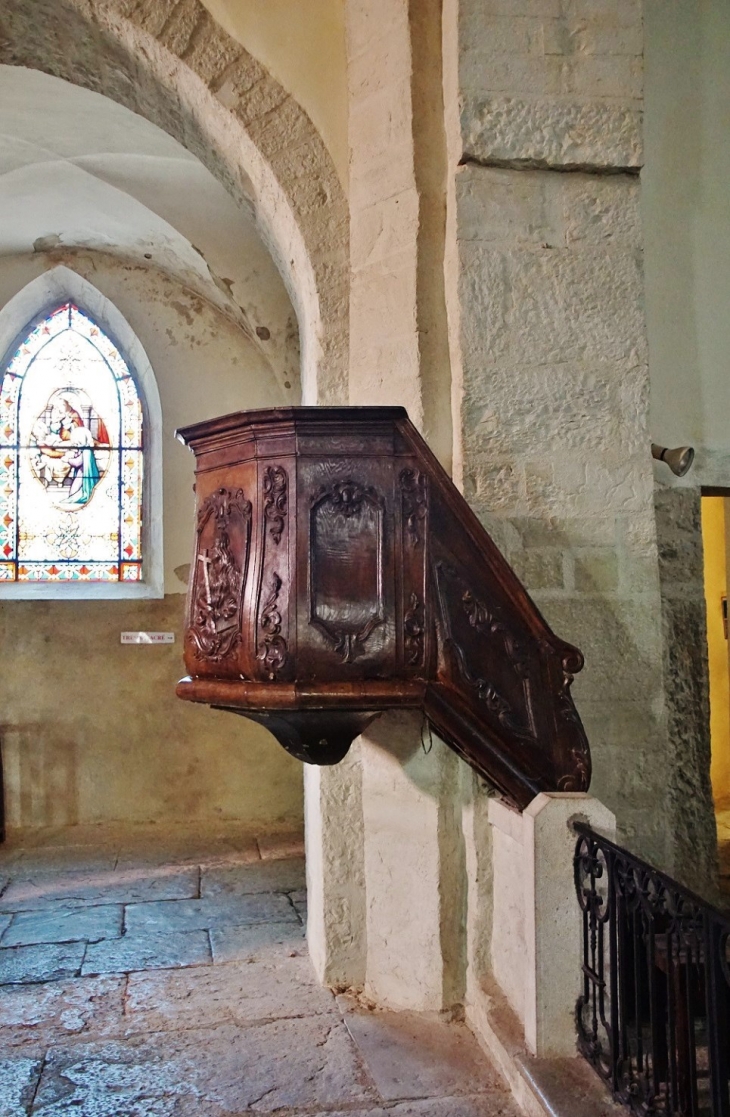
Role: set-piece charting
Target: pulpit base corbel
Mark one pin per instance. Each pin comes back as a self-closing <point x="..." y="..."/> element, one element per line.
<point x="313" y="736"/>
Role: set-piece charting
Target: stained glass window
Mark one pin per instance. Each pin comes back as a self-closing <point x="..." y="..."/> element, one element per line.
<point x="71" y="457"/>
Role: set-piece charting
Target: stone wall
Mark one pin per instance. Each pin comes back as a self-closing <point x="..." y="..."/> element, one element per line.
<point x="693" y="838"/>
<point x="549" y="355"/>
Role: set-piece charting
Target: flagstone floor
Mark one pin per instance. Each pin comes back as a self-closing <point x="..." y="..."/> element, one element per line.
<point x="149" y="973"/>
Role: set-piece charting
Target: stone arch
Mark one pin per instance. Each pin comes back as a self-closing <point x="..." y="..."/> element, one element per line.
<point x="168" y="61"/>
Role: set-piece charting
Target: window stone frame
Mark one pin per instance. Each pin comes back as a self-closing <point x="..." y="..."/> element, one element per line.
<point x="37" y="298"/>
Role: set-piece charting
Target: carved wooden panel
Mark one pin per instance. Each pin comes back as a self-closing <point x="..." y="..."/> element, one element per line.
<point x="339" y="573"/>
<point x="346" y="565"/>
<point x="221" y="562"/>
<point x="272" y="651"/>
<point x="413" y="490"/>
<point x="490" y="653"/>
<point x="276" y="500"/>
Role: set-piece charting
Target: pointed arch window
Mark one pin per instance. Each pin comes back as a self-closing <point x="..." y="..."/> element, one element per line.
<point x="71" y="457"/>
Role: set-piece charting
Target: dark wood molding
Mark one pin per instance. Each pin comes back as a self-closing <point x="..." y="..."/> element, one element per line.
<point x="349" y="576"/>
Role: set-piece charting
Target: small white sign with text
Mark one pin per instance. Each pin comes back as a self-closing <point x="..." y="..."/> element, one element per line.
<point x="148" y="637"/>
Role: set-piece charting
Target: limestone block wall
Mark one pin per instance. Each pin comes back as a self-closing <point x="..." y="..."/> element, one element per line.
<point x="549" y="357"/>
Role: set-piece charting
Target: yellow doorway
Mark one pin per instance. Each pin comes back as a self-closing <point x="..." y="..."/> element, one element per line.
<point x="716" y="548"/>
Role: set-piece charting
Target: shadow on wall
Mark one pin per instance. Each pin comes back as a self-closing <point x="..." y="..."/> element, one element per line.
<point x="681" y="574"/>
<point x="42" y="765"/>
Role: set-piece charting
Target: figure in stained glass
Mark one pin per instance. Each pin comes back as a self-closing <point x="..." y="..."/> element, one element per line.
<point x="68" y="454"/>
<point x="71" y="457"/>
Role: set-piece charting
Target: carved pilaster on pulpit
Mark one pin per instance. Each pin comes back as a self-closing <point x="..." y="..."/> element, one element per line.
<point x="339" y="573"/>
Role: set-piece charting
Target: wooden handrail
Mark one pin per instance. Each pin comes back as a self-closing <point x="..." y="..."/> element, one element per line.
<point x="338" y="572"/>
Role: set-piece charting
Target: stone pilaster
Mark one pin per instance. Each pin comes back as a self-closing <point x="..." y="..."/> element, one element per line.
<point x="549" y="356"/>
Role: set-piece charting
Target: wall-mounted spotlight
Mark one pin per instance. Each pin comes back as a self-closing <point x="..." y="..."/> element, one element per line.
<point x="679" y="460"/>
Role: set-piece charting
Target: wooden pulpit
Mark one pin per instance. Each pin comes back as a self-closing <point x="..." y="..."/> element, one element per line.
<point x="337" y="572"/>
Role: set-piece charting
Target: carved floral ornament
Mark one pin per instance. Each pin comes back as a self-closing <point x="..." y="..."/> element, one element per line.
<point x="276" y="484"/>
<point x="272" y="650"/>
<point x="414" y="490"/>
<point x="508" y="696"/>
<point x="414" y="628"/>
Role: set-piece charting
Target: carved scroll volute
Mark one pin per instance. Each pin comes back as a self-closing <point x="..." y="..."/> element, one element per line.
<point x="215" y="602"/>
<point x="413" y="489"/>
<point x="569" y="728"/>
<point x="274" y="660"/>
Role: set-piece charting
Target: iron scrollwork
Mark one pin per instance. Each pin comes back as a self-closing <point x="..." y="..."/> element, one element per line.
<point x="652" y="1013"/>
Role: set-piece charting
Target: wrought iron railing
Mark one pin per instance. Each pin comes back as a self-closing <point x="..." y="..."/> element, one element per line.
<point x="653" y="1014"/>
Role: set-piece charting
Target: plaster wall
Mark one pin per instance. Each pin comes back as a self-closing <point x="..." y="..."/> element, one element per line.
<point x="92" y="731"/>
<point x="303" y="46"/>
<point x="686" y="218"/>
<point x="507" y="941"/>
<point x="78" y="170"/>
<point x="171" y="63"/>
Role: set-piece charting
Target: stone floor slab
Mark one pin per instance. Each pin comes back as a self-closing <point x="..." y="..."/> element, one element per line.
<point x="245" y="1029"/>
<point x="128" y="886"/>
<point x="497" y="1104"/>
<point x="22" y="964"/>
<point x="64" y="924"/>
<point x="256" y="941"/>
<point x="190" y="915"/>
<point x="224" y="1070"/>
<point x="236" y="992"/>
<point x="105" y="1080"/>
<point x="299" y="900"/>
<point x="40" y="1015"/>
<point x="415" y="1056"/>
<point x="151" y="951"/>
<point x="18" y="1080"/>
<point x="285" y="875"/>
<point x="4" y="923"/>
